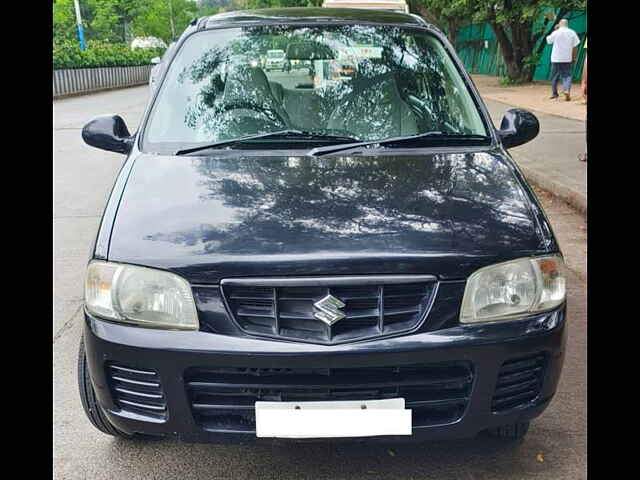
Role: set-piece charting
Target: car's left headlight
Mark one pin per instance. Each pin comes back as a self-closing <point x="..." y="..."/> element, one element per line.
<point x="513" y="289"/>
<point x="141" y="296"/>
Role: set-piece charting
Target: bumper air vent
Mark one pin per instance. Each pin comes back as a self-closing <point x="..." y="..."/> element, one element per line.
<point x="136" y="390"/>
<point x="223" y="399"/>
<point x="519" y="383"/>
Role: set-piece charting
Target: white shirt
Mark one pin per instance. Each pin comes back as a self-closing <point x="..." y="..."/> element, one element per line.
<point x="563" y="40"/>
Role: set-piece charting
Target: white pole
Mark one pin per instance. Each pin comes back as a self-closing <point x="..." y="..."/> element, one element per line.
<point x="79" y="23"/>
<point x="173" y="28"/>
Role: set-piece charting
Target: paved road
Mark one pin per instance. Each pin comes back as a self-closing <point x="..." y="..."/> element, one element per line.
<point x="554" y="449"/>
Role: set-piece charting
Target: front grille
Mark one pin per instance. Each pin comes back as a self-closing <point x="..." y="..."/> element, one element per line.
<point x="519" y="383"/>
<point x="136" y="390"/>
<point x="223" y="399"/>
<point x="373" y="307"/>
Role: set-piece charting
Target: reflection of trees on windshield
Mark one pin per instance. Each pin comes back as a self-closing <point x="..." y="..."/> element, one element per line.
<point x="402" y="88"/>
<point x="293" y="204"/>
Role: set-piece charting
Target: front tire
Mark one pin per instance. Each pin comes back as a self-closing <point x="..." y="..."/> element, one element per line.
<point x="515" y="431"/>
<point x="91" y="407"/>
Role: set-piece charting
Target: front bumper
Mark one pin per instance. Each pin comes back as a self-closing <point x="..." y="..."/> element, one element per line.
<point x="173" y="353"/>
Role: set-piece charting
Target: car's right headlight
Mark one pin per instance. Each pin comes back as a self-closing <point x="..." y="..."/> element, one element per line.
<point x="513" y="289"/>
<point x="141" y="296"/>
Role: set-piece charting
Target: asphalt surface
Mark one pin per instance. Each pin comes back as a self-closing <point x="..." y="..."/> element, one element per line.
<point x="555" y="447"/>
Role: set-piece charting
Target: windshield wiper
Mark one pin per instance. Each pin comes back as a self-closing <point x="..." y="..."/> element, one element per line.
<point x="406" y="139"/>
<point x="279" y="133"/>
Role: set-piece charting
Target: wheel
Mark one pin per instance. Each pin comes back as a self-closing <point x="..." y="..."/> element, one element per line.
<point x="88" y="398"/>
<point x="515" y="431"/>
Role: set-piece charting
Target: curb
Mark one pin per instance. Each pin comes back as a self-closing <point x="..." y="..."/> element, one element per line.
<point x="570" y="196"/>
<point x="97" y="90"/>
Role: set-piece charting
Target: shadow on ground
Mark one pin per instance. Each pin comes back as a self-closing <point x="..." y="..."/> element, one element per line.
<point x="482" y="456"/>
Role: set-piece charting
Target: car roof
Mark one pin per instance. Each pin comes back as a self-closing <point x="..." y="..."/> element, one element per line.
<point x="307" y="15"/>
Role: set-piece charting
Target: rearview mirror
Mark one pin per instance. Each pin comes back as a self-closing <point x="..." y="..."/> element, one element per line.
<point x="518" y="126"/>
<point x="108" y="132"/>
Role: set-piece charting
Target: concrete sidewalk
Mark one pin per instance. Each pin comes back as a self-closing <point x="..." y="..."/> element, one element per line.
<point x="550" y="161"/>
<point x="534" y="96"/>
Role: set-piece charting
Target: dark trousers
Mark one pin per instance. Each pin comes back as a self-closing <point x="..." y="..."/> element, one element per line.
<point x="560" y="71"/>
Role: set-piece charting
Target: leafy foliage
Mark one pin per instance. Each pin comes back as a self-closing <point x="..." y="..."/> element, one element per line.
<point x="514" y="22"/>
<point x="113" y="19"/>
<point x="155" y="19"/>
<point x="448" y="15"/>
<point x="520" y="35"/>
<point x="64" y="20"/>
<point x="99" y="54"/>
<point x="249" y="4"/>
<point x="119" y="21"/>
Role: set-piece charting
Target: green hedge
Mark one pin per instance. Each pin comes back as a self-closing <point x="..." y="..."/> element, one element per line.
<point x="99" y="54"/>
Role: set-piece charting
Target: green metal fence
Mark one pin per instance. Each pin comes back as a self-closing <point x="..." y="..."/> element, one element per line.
<point x="478" y="49"/>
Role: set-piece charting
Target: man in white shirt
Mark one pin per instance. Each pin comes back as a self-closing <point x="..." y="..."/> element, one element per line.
<point x="565" y="42"/>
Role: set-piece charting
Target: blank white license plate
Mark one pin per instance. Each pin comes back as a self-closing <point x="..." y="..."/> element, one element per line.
<point x="364" y="418"/>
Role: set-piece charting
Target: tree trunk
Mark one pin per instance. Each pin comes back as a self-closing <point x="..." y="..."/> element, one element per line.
<point x="424" y="12"/>
<point x="523" y="49"/>
<point x="452" y="30"/>
<point x="517" y="47"/>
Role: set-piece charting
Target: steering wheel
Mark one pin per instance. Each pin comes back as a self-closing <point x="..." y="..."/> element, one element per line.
<point x="422" y="111"/>
<point x="270" y="113"/>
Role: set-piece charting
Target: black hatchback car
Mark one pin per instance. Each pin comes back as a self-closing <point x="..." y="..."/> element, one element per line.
<point x="341" y="250"/>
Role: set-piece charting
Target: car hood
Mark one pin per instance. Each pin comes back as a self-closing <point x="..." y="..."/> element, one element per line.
<point x="213" y="217"/>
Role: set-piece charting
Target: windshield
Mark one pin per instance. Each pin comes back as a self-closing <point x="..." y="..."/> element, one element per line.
<point x="359" y="81"/>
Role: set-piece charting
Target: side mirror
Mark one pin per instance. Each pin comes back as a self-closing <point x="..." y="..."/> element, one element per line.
<point x="155" y="60"/>
<point x="108" y="132"/>
<point x="518" y="126"/>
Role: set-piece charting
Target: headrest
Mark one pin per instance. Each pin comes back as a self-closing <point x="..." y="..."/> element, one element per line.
<point x="246" y="73"/>
<point x="309" y="50"/>
<point x="245" y="81"/>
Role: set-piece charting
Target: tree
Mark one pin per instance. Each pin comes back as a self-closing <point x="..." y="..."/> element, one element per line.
<point x="113" y="18"/>
<point x="280" y="3"/>
<point x="514" y="22"/>
<point x="204" y="5"/>
<point x="156" y="19"/>
<point x="64" y="19"/>
<point x="447" y="15"/>
<point x="211" y="7"/>
<point x="521" y="40"/>
<point x="118" y="21"/>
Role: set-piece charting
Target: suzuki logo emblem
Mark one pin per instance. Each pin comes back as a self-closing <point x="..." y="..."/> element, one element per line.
<point x="329" y="310"/>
